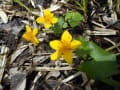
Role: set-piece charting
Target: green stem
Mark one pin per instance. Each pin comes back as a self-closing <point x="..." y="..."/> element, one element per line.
<point x="117" y="6"/>
<point x="21" y="4"/>
<point x="84" y="7"/>
<point x="79" y="5"/>
<point x="85" y="3"/>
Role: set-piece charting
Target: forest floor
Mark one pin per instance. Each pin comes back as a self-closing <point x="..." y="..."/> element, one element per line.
<point x="28" y="67"/>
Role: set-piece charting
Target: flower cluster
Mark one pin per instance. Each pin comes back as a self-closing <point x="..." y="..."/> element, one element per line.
<point x="64" y="47"/>
<point x="48" y="19"/>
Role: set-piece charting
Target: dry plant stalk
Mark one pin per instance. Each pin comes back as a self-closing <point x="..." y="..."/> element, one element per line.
<point x="3" y="60"/>
<point x="102" y="31"/>
<point x="53" y="68"/>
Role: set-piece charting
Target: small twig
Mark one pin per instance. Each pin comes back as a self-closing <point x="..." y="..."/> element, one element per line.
<point x="88" y="86"/>
<point x="71" y="77"/>
<point x="107" y="39"/>
<point x="113" y="47"/>
<point x="117" y="54"/>
<point x="17" y="53"/>
<point x="35" y="80"/>
<point x="39" y="54"/>
<point x="52" y="68"/>
<point x="98" y="24"/>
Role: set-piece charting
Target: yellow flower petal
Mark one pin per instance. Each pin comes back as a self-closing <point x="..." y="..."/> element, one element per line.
<point x="66" y="36"/>
<point x="47" y="25"/>
<point x="68" y="56"/>
<point x="51" y="15"/>
<point x="55" y="44"/>
<point x="47" y="12"/>
<point x="28" y="28"/>
<point x="40" y="20"/>
<point x="35" y="31"/>
<point x="75" y="44"/>
<point x="54" y="20"/>
<point x="35" y="44"/>
<point x="36" y="40"/>
<point x="56" y="55"/>
<point x="24" y="36"/>
<point x="28" y="36"/>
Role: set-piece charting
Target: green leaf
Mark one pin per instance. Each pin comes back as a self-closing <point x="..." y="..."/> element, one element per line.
<point x="83" y="50"/>
<point x="99" y="69"/>
<point x="57" y="27"/>
<point x="112" y="82"/>
<point x="74" y="18"/>
<point x="68" y="15"/>
<point x="103" y="64"/>
<point x="100" y="54"/>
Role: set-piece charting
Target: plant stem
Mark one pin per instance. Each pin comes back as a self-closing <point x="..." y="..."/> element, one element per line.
<point x="23" y="5"/>
<point x="117" y="6"/>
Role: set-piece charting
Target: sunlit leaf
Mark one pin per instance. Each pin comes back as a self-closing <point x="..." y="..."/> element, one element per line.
<point x="100" y="54"/>
<point x="73" y="18"/>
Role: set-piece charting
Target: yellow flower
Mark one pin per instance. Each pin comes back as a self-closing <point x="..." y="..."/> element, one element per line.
<point x="30" y="36"/>
<point x="65" y="47"/>
<point x="48" y="19"/>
